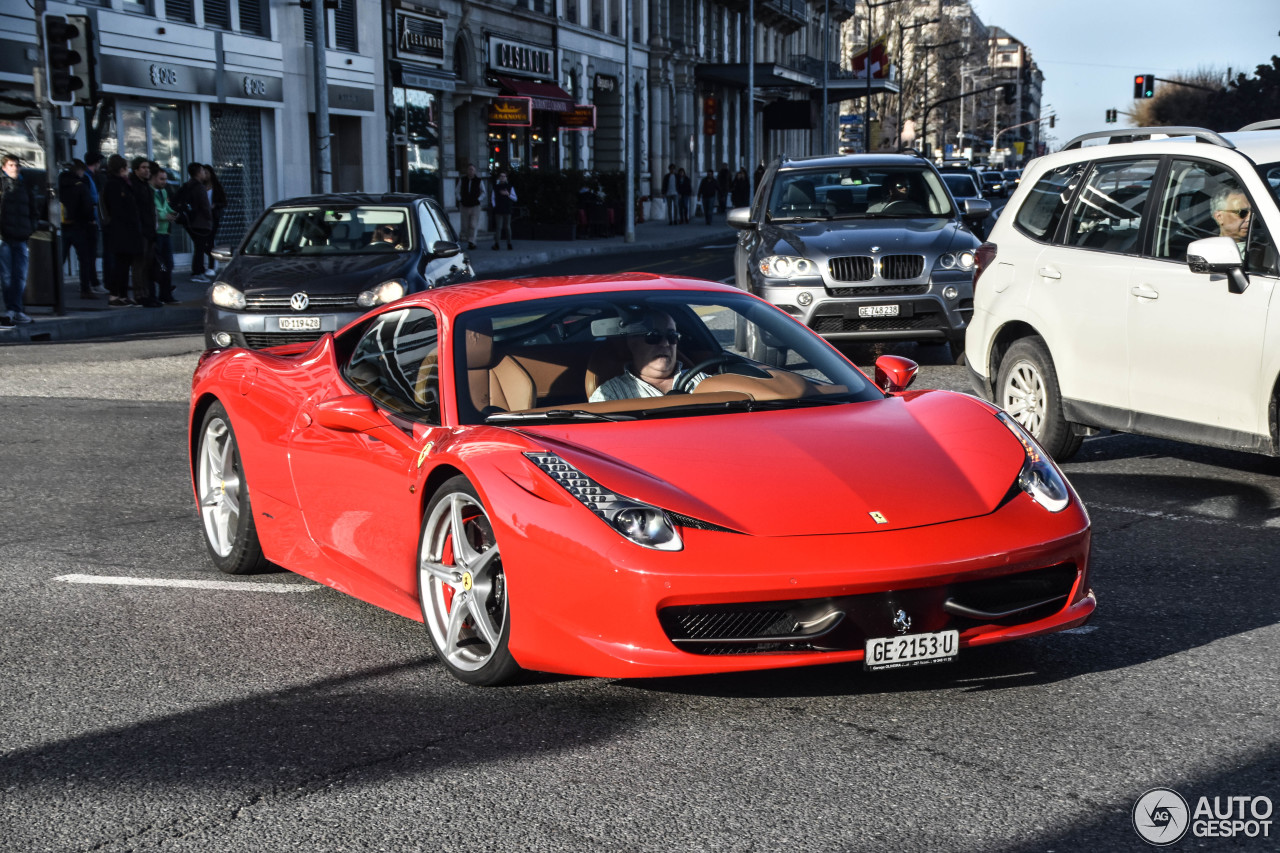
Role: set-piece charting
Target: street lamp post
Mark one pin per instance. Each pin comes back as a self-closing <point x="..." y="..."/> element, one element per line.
<point x="866" y="115"/>
<point x="924" y="119"/>
<point x="901" y="94"/>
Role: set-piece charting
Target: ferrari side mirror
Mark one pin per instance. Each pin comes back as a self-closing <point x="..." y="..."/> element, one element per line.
<point x="894" y="373"/>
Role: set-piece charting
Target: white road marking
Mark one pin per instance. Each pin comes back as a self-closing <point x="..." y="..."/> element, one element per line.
<point x="235" y="586"/>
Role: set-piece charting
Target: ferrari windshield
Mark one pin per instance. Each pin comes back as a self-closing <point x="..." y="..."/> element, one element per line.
<point x="857" y="192"/>
<point x="642" y="354"/>
<point x="331" y="231"/>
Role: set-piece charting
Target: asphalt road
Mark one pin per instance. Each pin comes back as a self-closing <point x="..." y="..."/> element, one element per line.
<point x="281" y="715"/>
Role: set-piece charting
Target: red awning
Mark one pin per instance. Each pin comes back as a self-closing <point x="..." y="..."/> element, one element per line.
<point x="545" y="96"/>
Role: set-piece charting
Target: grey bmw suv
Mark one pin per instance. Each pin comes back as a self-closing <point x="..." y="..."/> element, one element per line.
<point x="866" y="247"/>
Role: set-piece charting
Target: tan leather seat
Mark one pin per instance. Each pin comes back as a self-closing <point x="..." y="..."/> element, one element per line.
<point x="504" y="384"/>
<point x="605" y="362"/>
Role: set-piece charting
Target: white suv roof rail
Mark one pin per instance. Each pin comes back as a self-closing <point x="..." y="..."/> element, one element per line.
<point x="1126" y="135"/>
<point x="1268" y="124"/>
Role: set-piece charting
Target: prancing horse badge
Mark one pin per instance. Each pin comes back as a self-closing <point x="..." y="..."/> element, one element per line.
<point x="879" y="519"/>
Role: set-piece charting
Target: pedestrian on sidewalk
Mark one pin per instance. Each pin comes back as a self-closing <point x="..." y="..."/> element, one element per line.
<point x="18" y="221"/>
<point x="469" y="191"/>
<point x="192" y="206"/>
<point x="162" y="264"/>
<point x="707" y="191"/>
<point x="79" y="199"/>
<point x="140" y="185"/>
<point x="741" y="191"/>
<point x="684" y="186"/>
<point x="724" y="184"/>
<point x="217" y="206"/>
<point x="502" y="200"/>
<point x="97" y="174"/>
<point x="671" y="192"/>
<point x="122" y="225"/>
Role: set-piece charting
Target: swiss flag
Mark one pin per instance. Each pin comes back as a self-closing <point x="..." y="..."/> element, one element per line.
<point x="879" y="60"/>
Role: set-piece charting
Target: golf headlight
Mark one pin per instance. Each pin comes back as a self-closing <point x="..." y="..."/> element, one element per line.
<point x="388" y="291"/>
<point x="786" y="266"/>
<point x="1039" y="477"/>
<point x="642" y="523"/>
<point x="225" y="296"/>
<point x="956" y="260"/>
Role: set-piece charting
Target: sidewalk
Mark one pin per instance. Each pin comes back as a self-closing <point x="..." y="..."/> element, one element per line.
<point x="86" y="319"/>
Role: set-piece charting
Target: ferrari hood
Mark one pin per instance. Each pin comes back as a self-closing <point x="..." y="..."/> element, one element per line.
<point x="881" y="465"/>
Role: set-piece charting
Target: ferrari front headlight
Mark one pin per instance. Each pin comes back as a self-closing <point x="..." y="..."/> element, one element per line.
<point x="1039" y="477"/>
<point x="787" y="266"/>
<point x="225" y="296"/>
<point x="388" y="291"/>
<point x="642" y="523"/>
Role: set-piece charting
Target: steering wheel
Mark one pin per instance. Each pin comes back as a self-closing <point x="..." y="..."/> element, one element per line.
<point x="683" y="381"/>
<point x="902" y="206"/>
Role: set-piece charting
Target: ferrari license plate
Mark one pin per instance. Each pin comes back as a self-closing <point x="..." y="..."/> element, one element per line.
<point x="911" y="649"/>
<point x="299" y="324"/>
<point x="878" y="310"/>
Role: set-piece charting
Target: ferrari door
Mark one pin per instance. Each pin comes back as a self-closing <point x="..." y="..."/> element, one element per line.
<point x="355" y="451"/>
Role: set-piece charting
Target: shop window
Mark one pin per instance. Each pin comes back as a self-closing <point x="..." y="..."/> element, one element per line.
<point x="236" y="133"/>
<point x="180" y="10"/>
<point x="217" y="13"/>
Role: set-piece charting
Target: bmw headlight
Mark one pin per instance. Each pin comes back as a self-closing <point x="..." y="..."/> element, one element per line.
<point x="787" y="266"/>
<point x="1039" y="477"/>
<point x="642" y="523"/>
<point x="225" y="296"/>
<point x="388" y="291"/>
<point x="956" y="260"/>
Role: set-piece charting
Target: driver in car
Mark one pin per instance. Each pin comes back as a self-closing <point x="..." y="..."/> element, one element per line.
<point x="388" y="234"/>
<point x="654" y="363"/>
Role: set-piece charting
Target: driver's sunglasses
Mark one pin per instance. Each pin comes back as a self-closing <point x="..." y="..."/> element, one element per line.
<point x="653" y="338"/>
<point x="1243" y="213"/>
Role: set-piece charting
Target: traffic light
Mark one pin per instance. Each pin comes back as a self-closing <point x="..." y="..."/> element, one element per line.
<point x="1111" y="116"/>
<point x="66" y="58"/>
<point x="1144" y="86"/>
<point x="1053" y="119"/>
<point x="1009" y="91"/>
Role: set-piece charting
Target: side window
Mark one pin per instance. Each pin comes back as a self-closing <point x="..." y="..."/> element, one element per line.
<point x="1108" y="211"/>
<point x="1188" y="207"/>
<point x="442" y="225"/>
<point x="430" y="229"/>
<point x="1044" y="208"/>
<point x="395" y="362"/>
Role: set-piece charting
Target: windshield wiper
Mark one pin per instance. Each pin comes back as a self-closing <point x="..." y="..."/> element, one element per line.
<point x="553" y="415"/>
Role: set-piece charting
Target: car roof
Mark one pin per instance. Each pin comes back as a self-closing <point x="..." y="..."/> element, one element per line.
<point x="457" y="298"/>
<point x="350" y="199"/>
<point x="829" y="161"/>
<point x="1261" y="146"/>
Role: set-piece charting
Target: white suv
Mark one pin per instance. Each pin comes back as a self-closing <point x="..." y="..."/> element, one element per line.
<point x="1129" y="286"/>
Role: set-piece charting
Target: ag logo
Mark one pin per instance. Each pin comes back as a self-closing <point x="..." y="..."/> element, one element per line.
<point x="1161" y="816"/>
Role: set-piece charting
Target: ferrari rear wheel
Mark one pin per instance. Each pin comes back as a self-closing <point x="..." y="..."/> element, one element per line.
<point x="462" y="587"/>
<point x="225" y="511"/>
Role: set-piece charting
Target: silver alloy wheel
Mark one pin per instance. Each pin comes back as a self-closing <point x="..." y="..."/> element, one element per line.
<point x="219" y="484"/>
<point x="461" y="582"/>
<point x="1024" y="397"/>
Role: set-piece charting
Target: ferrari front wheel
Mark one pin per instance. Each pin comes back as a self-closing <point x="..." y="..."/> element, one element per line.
<point x="462" y="587"/>
<point x="225" y="512"/>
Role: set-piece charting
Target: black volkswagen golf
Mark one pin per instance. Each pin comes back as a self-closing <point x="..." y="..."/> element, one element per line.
<point x="311" y="265"/>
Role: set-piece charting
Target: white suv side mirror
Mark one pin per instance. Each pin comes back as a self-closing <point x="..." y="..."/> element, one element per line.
<point x="1218" y="255"/>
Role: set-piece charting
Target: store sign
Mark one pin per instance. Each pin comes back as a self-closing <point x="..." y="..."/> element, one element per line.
<point x="350" y="98"/>
<point x="254" y="87"/>
<point x="419" y="38"/>
<point x="511" y="112"/>
<point x="579" y="117"/>
<point x="605" y="83"/>
<point x="513" y="57"/>
<point x="125" y="72"/>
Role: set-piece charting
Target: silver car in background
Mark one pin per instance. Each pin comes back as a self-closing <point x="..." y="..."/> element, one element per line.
<point x="864" y="247"/>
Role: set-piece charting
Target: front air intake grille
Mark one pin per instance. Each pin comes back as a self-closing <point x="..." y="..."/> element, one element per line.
<point x="836" y="325"/>
<point x="880" y="290"/>
<point x="697" y="523"/>
<point x="259" y="340"/>
<point x="852" y="268"/>
<point x="900" y="267"/>
<point x="316" y="302"/>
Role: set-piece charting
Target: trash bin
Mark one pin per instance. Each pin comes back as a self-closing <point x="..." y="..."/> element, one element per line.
<point x="44" y="272"/>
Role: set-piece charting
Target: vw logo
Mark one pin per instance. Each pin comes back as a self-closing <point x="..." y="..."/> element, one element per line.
<point x="902" y="622"/>
<point x="299" y="301"/>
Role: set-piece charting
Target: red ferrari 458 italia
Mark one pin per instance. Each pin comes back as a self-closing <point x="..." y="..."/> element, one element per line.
<point x="633" y="476"/>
